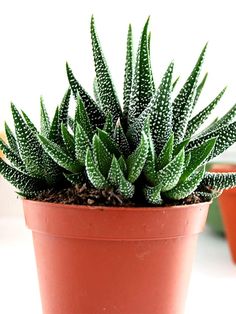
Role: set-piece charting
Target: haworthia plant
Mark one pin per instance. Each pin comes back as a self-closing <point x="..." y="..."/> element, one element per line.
<point x="152" y="151"/>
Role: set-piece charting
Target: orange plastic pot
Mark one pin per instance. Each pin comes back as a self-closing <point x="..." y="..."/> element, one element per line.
<point x="227" y="201"/>
<point x="94" y="260"/>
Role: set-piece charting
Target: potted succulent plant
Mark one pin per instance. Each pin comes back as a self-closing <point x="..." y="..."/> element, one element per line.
<point x="116" y="196"/>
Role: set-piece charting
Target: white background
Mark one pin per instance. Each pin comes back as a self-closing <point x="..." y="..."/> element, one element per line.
<point x="38" y="37"/>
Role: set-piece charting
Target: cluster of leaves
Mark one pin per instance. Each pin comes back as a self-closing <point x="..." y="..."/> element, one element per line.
<point x="151" y="146"/>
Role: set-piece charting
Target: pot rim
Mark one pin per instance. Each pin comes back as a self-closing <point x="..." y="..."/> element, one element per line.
<point x="117" y="208"/>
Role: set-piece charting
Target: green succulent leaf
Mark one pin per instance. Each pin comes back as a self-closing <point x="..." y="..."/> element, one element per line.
<point x="169" y="176"/>
<point x="11" y="139"/>
<point x="82" y="142"/>
<point x="149" y="169"/>
<point x="117" y="179"/>
<point x="13" y="157"/>
<point x="187" y="187"/>
<point x="109" y="125"/>
<point x="141" y="91"/>
<point x="137" y="159"/>
<point x="96" y="92"/>
<point x="29" y="147"/>
<point x="122" y="141"/>
<point x="166" y="153"/>
<point x="183" y="103"/>
<point x="225" y="137"/>
<point x="64" y="108"/>
<point x="225" y="120"/>
<point x="82" y="118"/>
<point x="74" y="178"/>
<point x="93" y="172"/>
<point x="122" y="164"/>
<point x="175" y="83"/>
<point x="128" y="75"/>
<point x="95" y="114"/>
<point x="153" y="194"/>
<point x="219" y="181"/>
<point x="102" y="156"/>
<point x="151" y="74"/>
<point x="54" y="133"/>
<point x="199" y="156"/>
<point x="21" y="181"/>
<point x="161" y="114"/>
<point x="29" y="122"/>
<point x="59" y="156"/>
<point x="68" y="140"/>
<point x="201" y="117"/>
<point x="107" y="93"/>
<point x="199" y="89"/>
<point x="71" y="123"/>
<point x="110" y="144"/>
<point x="44" y="119"/>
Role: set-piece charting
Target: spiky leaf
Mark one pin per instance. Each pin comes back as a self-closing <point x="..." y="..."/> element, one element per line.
<point x="96" y="92"/>
<point x="201" y="117"/>
<point x="82" y="142"/>
<point x="183" y="103"/>
<point x="82" y="118"/>
<point x="29" y="146"/>
<point x="109" y="142"/>
<point x="199" y="89"/>
<point x="161" y="114"/>
<point x="95" y="114"/>
<point x="109" y="125"/>
<point x="64" y="108"/>
<point x="59" y="156"/>
<point x="68" y="140"/>
<point x="220" y="181"/>
<point x="141" y="91"/>
<point x="116" y="177"/>
<point x="137" y="159"/>
<point x="14" y="158"/>
<point x="166" y="153"/>
<point x="44" y="119"/>
<point x="121" y="140"/>
<point x="74" y="178"/>
<point x="21" y="181"/>
<point x="169" y="176"/>
<point x="11" y="139"/>
<point x="29" y="122"/>
<point x="102" y="156"/>
<point x="225" y="137"/>
<point x="128" y="74"/>
<point x="153" y="194"/>
<point x="199" y="155"/>
<point x="185" y="188"/>
<point x="107" y="93"/>
<point x="93" y="173"/>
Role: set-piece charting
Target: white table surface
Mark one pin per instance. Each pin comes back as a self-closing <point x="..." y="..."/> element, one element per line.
<point x="212" y="287"/>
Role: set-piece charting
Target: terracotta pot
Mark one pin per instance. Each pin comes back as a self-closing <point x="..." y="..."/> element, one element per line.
<point x="94" y="260"/>
<point x="227" y="201"/>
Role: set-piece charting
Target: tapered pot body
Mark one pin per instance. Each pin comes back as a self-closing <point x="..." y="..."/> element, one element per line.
<point x="227" y="202"/>
<point x="94" y="260"/>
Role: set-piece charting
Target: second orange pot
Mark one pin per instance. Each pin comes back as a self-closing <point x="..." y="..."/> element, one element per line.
<point x="227" y="202"/>
<point x="94" y="260"/>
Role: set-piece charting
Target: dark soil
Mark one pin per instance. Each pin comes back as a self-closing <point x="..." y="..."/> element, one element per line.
<point x="86" y="195"/>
